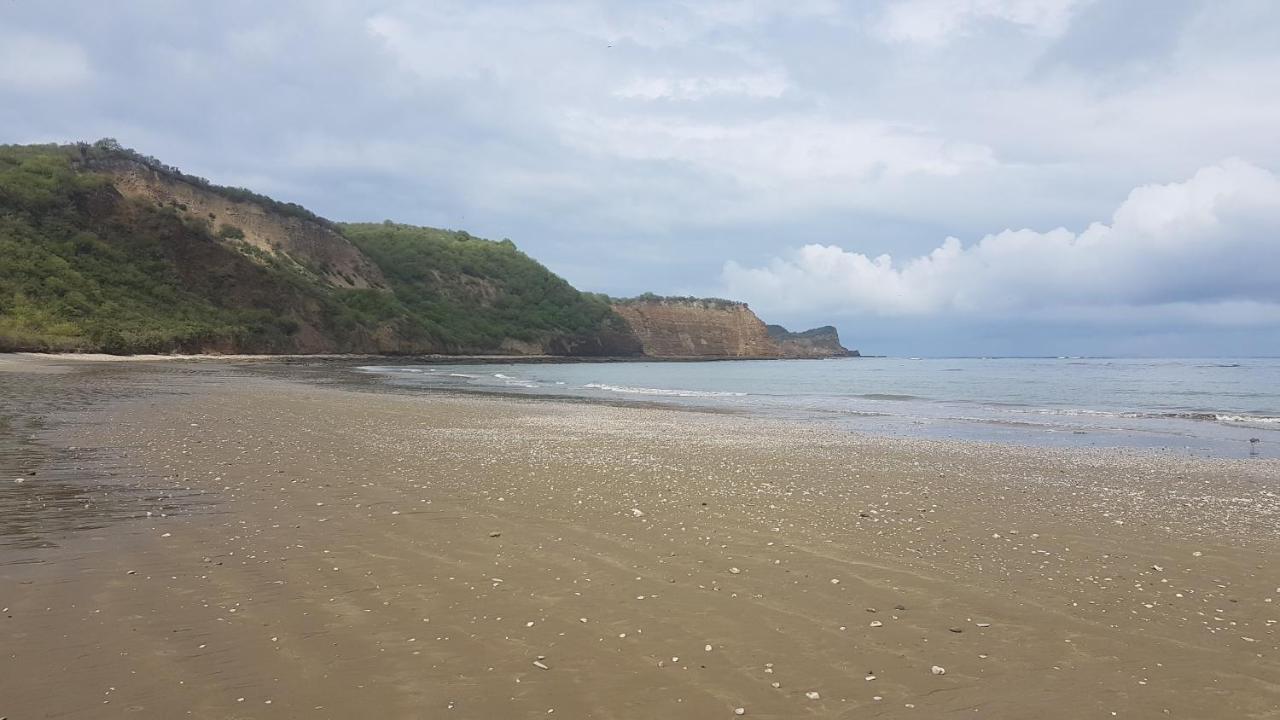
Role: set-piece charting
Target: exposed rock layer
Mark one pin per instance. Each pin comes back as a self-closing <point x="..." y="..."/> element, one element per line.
<point x="697" y="328"/>
<point x="310" y="246"/>
<point x="685" y="327"/>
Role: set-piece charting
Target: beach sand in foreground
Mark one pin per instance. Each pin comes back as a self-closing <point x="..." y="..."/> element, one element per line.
<point x="204" y="540"/>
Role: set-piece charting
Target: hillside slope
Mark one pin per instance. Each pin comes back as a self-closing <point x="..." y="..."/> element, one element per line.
<point x="482" y="295"/>
<point x="103" y="249"/>
<point x="308" y="241"/>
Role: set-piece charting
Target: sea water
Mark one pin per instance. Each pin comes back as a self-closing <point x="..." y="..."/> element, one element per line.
<point x="1217" y="407"/>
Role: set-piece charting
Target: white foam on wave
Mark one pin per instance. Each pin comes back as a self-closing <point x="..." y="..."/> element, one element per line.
<point x="627" y="389"/>
<point x="463" y="375"/>
<point x="386" y="369"/>
<point x="1072" y="412"/>
<point x="1170" y="415"/>
<point x="1266" y="420"/>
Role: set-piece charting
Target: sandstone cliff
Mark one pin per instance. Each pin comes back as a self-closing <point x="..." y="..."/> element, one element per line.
<point x="674" y="328"/>
<point x="680" y="327"/>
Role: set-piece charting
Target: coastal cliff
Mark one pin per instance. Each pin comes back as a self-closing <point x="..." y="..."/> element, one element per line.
<point x="676" y="327"/>
<point x="103" y="249"/>
<point x="696" y="327"/>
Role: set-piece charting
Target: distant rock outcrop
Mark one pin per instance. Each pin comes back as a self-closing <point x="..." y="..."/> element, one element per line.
<point x="816" y="343"/>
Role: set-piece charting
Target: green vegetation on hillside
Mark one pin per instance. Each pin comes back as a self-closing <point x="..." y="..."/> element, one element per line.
<point x="82" y="268"/>
<point x="473" y="293"/>
<point x="652" y="298"/>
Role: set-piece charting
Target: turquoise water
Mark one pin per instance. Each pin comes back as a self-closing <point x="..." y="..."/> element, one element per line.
<point x="1203" y="407"/>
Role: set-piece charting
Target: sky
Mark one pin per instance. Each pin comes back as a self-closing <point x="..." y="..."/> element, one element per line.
<point x="932" y="177"/>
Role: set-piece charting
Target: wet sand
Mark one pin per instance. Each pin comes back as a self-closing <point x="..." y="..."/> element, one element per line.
<point x="211" y="540"/>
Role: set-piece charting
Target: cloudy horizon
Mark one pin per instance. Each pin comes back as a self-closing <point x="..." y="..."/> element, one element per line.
<point x="966" y="177"/>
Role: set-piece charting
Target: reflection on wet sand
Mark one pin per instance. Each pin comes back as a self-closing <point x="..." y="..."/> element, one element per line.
<point x="47" y="492"/>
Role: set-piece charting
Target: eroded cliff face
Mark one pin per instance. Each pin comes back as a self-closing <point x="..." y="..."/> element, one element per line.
<point x="697" y="328"/>
<point x="310" y="246"/>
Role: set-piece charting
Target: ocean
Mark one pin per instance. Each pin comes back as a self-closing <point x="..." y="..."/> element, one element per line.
<point x="1206" y="407"/>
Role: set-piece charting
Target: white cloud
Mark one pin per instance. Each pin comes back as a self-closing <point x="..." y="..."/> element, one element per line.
<point x="720" y="107"/>
<point x="41" y="63"/>
<point x="755" y="12"/>
<point x="815" y="160"/>
<point x="1193" y="249"/>
<point x="702" y="131"/>
<point x="673" y="121"/>
<point x="758" y="85"/>
<point x="933" y="22"/>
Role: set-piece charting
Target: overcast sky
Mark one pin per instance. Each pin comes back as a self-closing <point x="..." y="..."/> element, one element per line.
<point x="931" y="176"/>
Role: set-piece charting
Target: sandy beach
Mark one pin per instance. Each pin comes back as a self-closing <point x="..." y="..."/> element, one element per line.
<point x="218" y="540"/>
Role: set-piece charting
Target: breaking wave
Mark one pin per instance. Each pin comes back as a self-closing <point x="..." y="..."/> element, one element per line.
<point x="1203" y="416"/>
<point x="661" y="391"/>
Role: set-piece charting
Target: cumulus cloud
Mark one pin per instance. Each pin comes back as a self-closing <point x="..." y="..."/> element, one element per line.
<point x="1206" y="250"/>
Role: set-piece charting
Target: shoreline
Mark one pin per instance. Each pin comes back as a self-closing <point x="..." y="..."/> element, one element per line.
<point x="312" y="368"/>
<point x="1223" y="433"/>
<point x="413" y="359"/>
<point x="206" y="538"/>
